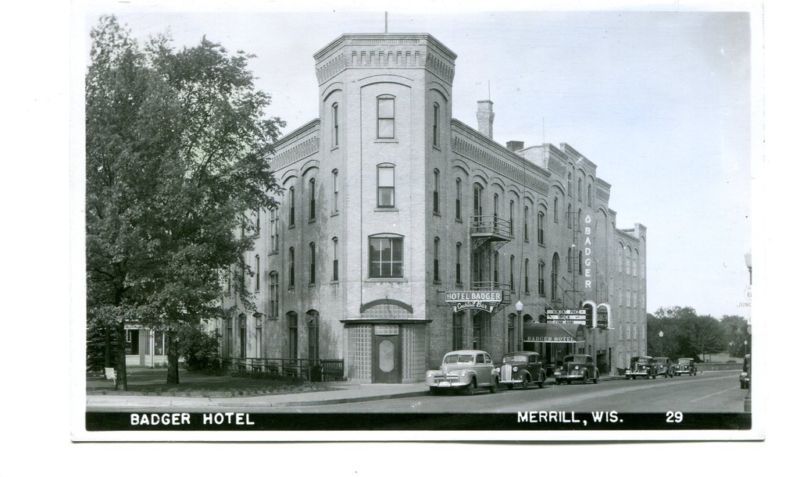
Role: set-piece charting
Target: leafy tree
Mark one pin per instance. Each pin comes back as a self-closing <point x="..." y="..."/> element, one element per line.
<point x="176" y="142"/>
<point x="736" y="335"/>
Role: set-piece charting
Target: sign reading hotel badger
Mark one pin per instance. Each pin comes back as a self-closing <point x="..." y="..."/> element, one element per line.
<point x="587" y="252"/>
<point x="474" y="300"/>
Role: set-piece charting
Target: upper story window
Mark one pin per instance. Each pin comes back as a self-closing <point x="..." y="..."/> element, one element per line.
<point x="335" y="121"/>
<point x="385" y="256"/>
<point x="385" y="117"/>
<point x="540" y="229"/>
<point x="589" y="194"/>
<point x="555" y="210"/>
<point x="570" y="258"/>
<point x="335" y="277"/>
<point x="554" y="277"/>
<point x="335" y="178"/>
<point x="436" y="124"/>
<point x="636" y="263"/>
<point x="569" y="216"/>
<point x="458" y="199"/>
<point x="386" y="185"/>
<point x="312" y="200"/>
<point x="540" y="280"/>
<point x="525" y="224"/>
<point x="569" y="184"/>
<point x="291" y="267"/>
<point x="291" y="206"/>
<point x="436" y="191"/>
<point x="458" y="262"/>
<point x="580" y="189"/>
<point x="511" y="272"/>
<point x="312" y="264"/>
<point x="527" y="276"/>
<point x="273" y="230"/>
<point x="511" y="216"/>
<point x="436" y="276"/>
<point x="258" y="273"/>
<point x="273" y="295"/>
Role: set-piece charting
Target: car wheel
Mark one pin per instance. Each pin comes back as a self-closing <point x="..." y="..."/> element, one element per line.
<point x="541" y="381"/>
<point x="585" y="377"/>
<point x="469" y="389"/>
<point x="634" y="377"/>
<point x="493" y="387"/>
<point x="525" y="380"/>
<point x="595" y="377"/>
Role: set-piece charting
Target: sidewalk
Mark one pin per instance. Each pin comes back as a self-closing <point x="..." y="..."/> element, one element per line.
<point x="345" y="393"/>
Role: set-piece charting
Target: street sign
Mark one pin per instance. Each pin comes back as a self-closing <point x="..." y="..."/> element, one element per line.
<point x="484" y="300"/>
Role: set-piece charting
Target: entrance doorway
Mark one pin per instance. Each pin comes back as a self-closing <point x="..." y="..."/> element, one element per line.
<point x="386" y="354"/>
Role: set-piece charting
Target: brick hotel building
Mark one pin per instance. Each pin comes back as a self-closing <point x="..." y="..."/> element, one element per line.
<point x="389" y="203"/>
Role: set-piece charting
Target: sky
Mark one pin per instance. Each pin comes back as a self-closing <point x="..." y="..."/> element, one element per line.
<point x="660" y="101"/>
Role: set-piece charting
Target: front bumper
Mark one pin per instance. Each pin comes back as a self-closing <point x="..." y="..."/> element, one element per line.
<point x="446" y="381"/>
<point x="511" y="381"/>
<point x="637" y="373"/>
<point x="569" y="376"/>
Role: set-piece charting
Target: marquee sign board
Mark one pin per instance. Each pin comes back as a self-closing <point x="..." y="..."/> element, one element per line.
<point x="484" y="300"/>
<point x="569" y="317"/>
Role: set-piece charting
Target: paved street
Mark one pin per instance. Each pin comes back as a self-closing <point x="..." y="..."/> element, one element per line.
<point x="710" y="392"/>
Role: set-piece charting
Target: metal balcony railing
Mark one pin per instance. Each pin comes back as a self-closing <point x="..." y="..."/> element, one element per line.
<point x="491" y="227"/>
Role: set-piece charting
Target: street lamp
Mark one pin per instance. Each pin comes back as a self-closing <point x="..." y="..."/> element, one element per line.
<point x="660" y="344"/>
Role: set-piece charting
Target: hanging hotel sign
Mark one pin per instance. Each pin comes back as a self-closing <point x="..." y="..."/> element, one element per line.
<point x="473" y="300"/>
<point x="587" y="252"/>
<point x="567" y="317"/>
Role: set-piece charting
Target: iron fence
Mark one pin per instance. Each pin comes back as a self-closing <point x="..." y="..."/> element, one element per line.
<point x="308" y="369"/>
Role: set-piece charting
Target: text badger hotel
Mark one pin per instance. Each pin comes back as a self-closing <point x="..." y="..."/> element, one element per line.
<point x="403" y="233"/>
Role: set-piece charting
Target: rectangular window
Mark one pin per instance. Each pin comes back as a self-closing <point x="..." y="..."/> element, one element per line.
<point x="541" y="279"/>
<point x="335" y="114"/>
<point x="525" y="224"/>
<point x="293" y="338"/>
<point x="312" y="200"/>
<point x="540" y="229"/>
<point x="458" y="199"/>
<point x="386" y="186"/>
<point x="436" y="259"/>
<point x="242" y="339"/>
<point x="273" y="230"/>
<point x="511" y="272"/>
<point x="273" y="295"/>
<point x="385" y="257"/>
<point x="385" y="118"/>
<point x="258" y="273"/>
<point x="527" y="281"/>
<point x="291" y="207"/>
<point x="511" y="217"/>
<point x="335" y="259"/>
<point x="291" y="267"/>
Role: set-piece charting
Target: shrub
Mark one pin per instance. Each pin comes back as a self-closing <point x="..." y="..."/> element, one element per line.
<point x="199" y="350"/>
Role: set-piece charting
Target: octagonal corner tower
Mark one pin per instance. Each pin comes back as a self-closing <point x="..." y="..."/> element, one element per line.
<point x="385" y="114"/>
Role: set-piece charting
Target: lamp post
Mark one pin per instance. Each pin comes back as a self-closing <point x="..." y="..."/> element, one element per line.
<point x="518" y="306"/>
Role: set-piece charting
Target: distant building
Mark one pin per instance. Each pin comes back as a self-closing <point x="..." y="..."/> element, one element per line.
<point x="391" y="207"/>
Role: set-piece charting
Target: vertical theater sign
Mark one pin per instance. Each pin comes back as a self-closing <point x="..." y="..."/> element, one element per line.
<point x="587" y="252"/>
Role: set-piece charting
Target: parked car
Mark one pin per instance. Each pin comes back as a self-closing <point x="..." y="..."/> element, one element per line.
<point x="577" y="367"/>
<point x="521" y="367"/>
<point x="641" y="367"/>
<point x="465" y="370"/>
<point x="685" y="366"/>
<point x="745" y="375"/>
<point x="664" y="367"/>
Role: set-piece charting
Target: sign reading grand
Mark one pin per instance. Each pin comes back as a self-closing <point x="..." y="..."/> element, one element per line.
<point x="574" y="317"/>
<point x="473" y="300"/>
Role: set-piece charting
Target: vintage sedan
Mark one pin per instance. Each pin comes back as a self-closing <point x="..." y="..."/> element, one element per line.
<point x="465" y="370"/>
<point x="577" y="367"/>
<point x="641" y="367"/>
<point x="521" y="367"/>
<point x="685" y="366"/>
<point x="663" y="367"/>
<point x="745" y="376"/>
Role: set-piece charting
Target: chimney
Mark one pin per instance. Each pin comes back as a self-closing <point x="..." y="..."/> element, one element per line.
<point x="485" y="117"/>
<point x="515" y="146"/>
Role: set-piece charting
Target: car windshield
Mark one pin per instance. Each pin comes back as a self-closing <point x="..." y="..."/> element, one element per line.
<point x="515" y="358"/>
<point x="458" y="358"/>
<point x="575" y="359"/>
<point x="661" y="360"/>
<point x="685" y="361"/>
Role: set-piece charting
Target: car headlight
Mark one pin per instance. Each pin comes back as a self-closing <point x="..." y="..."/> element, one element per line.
<point x="576" y="367"/>
<point x="515" y="369"/>
<point x="462" y="373"/>
<point x="743" y="374"/>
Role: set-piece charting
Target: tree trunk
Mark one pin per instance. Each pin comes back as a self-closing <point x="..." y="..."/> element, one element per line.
<point x="172" y="358"/>
<point x="122" y="371"/>
<point x="107" y="362"/>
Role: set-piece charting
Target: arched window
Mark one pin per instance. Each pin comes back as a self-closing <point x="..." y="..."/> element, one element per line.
<point x="511" y="216"/>
<point x="569" y="216"/>
<point x="554" y="278"/>
<point x="525" y="224"/>
<point x="312" y="327"/>
<point x="496" y="268"/>
<point x="312" y="199"/>
<point x="555" y="210"/>
<point x="580" y="189"/>
<point x="436" y="124"/>
<point x="541" y="278"/>
<point x="436" y="191"/>
<point x="335" y="245"/>
<point x="386" y="186"/>
<point x="589" y="194"/>
<point x="436" y="277"/>
<point x="540" y="229"/>
<point x="569" y="184"/>
<point x="291" y="206"/>
<point x="312" y="264"/>
<point x="273" y="230"/>
<point x="496" y="209"/>
<point x="385" y="117"/>
<point x="273" y="295"/>
<point x="511" y="272"/>
<point x="458" y="199"/>
<point x="458" y="263"/>
<point x="527" y="277"/>
<point x="477" y="203"/>
<point x="335" y="121"/>
<point x="291" y="267"/>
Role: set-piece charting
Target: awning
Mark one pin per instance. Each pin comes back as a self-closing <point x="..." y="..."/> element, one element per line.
<point x="552" y="333"/>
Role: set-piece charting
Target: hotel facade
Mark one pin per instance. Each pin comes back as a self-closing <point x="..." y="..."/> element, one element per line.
<point x="403" y="233"/>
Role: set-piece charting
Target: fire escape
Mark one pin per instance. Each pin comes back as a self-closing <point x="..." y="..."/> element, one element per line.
<point x="487" y="234"/>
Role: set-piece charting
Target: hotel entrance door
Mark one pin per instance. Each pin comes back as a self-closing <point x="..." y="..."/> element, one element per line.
<point x="386" y="351"/>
